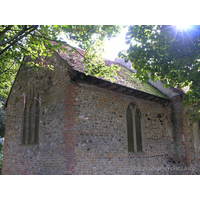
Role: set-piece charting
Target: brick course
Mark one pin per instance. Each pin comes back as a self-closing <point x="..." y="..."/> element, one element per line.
<point x="83" y="130"/>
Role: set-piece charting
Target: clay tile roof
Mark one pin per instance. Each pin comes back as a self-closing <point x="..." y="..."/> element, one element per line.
<point x="124" y="76"/>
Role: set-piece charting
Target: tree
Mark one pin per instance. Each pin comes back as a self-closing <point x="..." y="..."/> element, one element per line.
<point x="157" y="51"/>
<point x="17" y="41"/>
<point x="168" y="54"/>
<point x="2" y="117"/>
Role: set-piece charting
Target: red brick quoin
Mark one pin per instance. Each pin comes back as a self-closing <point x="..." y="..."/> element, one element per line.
<point x="180" y="131"/>
<point x="69" y="134"/>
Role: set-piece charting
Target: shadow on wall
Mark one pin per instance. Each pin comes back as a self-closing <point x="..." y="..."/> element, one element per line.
<point x="1" y="152"/>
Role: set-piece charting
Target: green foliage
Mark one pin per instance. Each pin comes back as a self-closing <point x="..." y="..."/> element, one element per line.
<point x="91" y="39"/>
<point x="17" y="41"/>
<point x="157" y="51"/>
<point x="2" y="118"/>
<point x="165" y="53"/>
<point x="97" y="66"/>
<point x="8" y="71"/>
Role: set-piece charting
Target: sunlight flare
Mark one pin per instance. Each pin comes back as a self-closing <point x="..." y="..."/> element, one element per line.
<point x="181" y="27"/>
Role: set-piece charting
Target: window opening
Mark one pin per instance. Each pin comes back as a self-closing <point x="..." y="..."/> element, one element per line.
<point x="31" y="118"/>
<point x="138" y="130"/>
<point x="130" y="130"/>
<point x="134" y="129"/>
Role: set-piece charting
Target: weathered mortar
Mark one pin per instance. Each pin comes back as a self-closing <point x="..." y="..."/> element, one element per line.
<point x="101" y="146"/>
<point x="48" y="156"/>
<point x="83" y="130"/>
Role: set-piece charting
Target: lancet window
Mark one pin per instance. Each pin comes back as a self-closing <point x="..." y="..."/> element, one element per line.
<point x="134" y="132"/>
<point x="31" y="117"/>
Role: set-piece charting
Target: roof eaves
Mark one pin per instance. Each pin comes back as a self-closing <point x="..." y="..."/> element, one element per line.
<point x="123" y="78"/>
<point x="82" y="78"/>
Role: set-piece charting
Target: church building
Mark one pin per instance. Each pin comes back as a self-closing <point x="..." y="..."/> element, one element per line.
<point x="63" y="121"/>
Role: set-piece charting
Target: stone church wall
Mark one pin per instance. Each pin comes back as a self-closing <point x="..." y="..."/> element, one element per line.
<point x="48" y="156"/>
<point x="82" y="130"/>
<point x="101" y="144"/>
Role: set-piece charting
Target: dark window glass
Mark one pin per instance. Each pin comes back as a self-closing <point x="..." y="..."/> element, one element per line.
<point x="129" y="129"/>
<point x="24" y="124"/>
<point x="31" y="115"/>
<point x="31" y="119"/>
<point x="138" y="131"/>
<point x="37" y="120"/>
<point x="134" y="133"/>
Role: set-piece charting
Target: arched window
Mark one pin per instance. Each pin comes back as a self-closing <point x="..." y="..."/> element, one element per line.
<point x="30" y="126"/>
<point x="134" y="132"/>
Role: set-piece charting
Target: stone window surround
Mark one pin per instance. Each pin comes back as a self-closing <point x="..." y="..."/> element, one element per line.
<point x="142" y="124"/>
<point x="30" y="101"/>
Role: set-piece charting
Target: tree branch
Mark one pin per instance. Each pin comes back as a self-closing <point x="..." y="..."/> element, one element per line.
<point x="7" y="69"/>
<point x="28" y="52"/>
<point x="33" y="28"/>
<point x="60" y="42"/>
<point x="196" y="50"/>
<point x="6" y="29"/>
<point x="11" y="39"/>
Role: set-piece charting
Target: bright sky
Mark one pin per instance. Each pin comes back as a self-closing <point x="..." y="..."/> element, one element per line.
<point x="116" y="44"/>
<point x="113" y="46"/>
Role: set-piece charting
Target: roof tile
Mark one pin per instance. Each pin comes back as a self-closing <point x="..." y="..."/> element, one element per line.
<point x="125" y="77"/>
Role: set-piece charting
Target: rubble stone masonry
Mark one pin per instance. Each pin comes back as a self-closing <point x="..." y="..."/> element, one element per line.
<point x="82" y="130"/>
